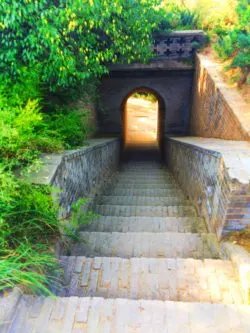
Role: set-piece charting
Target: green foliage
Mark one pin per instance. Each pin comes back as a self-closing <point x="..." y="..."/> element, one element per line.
<point x="51" y="53"/>
<point x="175" y="16"/>
<point x="28" y="229"/>
<point x="22" y="133"/>
<point x="27" y="211"/>
<point x="70" y="125"/>
<point x="29" y="126"/>
<point x="31" y="267"/>
<point x="79" y="217"/>
<point x="28" y="225"/>
<point x="146" y="96"/>
<point x="234" y="42"/>
<point x="73" y="41"/>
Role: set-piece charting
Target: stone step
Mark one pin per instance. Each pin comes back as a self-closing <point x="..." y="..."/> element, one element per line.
<point x="148" y="211"/>
<point x="138" y="176"/>
<point x="146" y="164"/>
<point x="142" y="201"/>
<point x="143" y="166"/>
<point x="149" y="181"/>
<point x="146" y="244"/>
<point x="143" y="174"/>
<point x="99" y="315"/>
<point x="147" y="224"/>
<point x="153" y="174"/>
<point x="146" y="192"/>
<point x="135" y="186"/>
<point x="187" y="280"/>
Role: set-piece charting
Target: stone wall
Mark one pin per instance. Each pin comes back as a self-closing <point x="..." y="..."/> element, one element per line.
<point x="219" y="111"/>
<point x="79" y="173"/>
<point x="215" y="174"/>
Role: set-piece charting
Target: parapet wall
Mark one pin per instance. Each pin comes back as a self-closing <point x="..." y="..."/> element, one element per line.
<point x="215" y="174"/>
<point x="218" y="110"/>
<point x="79" y="173"/>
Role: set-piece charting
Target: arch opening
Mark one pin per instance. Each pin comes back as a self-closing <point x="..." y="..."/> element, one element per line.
<point x="143" y="118"/>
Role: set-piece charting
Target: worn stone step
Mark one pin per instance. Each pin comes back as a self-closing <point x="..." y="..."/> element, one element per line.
<point x="147" y="181"/>
<point x="187" y="280"/>
<point x="143" y="167"/>
<point x="146" y="244"/>
<point x="139" y="173"/>
<point x="148" y="211"/>
<point x="135" y="186"/>
<point x="147" y="224"/>
<point x="142" y="175"/>
<point x="138" y="176"/>
<point x="142" y="201"/>
<point x="147" y="164"/>
<point x="100" y="315"/>
<point x="146" y="192"/>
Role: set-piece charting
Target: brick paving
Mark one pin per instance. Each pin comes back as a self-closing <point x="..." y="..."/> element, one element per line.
<point x="145" y="265"/>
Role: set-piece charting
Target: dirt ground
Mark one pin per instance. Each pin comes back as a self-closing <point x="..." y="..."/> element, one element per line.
<point x="241" y="238"/>
<point x="229" y="75"/>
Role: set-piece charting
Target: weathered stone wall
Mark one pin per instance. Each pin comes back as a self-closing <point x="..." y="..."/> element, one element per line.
<point x="215" y="174"/>
<point x="79" y="173"/>
<point x="218" y="109"/>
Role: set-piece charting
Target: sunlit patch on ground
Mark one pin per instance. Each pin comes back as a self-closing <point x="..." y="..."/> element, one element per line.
<point x="141" y="121"/>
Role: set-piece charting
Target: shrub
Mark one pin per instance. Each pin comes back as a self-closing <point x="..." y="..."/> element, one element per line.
<point x="23" y="131"/>
<point x="28" y="229"/>
<point x="175" y="16"/>
<point x="28" y="225"/>
<point x="72" y="126"/>
<point x="74" y="41"/>
<point x="234" y="42"/>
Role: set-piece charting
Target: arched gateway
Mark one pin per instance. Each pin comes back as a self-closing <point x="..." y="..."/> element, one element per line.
<point x="169" y="77"/>
<point x="143" y="113"/>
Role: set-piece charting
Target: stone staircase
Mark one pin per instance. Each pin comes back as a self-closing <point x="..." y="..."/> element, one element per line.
<point x="145" y="264"/>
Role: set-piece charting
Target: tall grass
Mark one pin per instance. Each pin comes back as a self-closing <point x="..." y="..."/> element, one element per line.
<point x="29" y="226"/>
<point x="31" y="267"/>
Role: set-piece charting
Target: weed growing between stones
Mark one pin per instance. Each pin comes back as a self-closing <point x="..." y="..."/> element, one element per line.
<point x="79" y="216"/>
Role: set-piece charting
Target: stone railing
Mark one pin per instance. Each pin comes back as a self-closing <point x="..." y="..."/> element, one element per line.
<point x="215" y="174"/>
<point x="79" y="173"/>
<point x="178" y="44"/>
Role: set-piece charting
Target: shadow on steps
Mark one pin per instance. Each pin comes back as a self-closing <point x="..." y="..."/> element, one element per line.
<point x="145" y="152"/>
